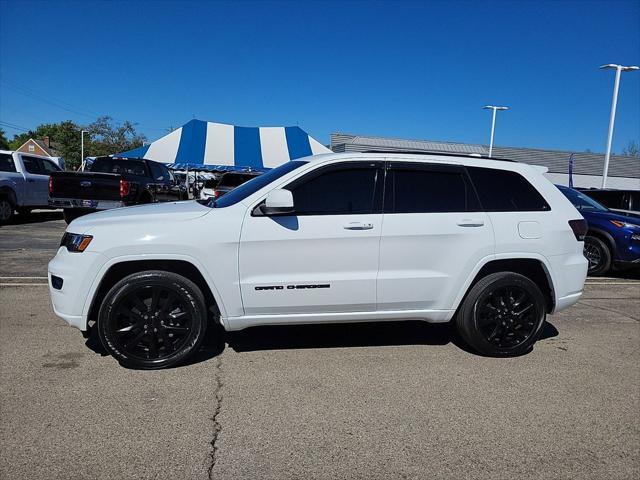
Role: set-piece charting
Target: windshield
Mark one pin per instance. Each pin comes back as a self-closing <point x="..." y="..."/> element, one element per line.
<point x="582" y="202"/>
<point x="108" y="165"/>
<point x="252" y="186"/>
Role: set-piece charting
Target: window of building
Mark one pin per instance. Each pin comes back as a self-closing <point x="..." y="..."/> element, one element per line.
<point x="31" y="148"/>
<point x="505" y="191"/>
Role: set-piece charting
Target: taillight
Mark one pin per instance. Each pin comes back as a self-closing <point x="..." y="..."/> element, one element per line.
<point x="50" y="185"/>
<point x="125" y="187"/>
<point x="579" y="228"/>
<point x="216" y="193"/>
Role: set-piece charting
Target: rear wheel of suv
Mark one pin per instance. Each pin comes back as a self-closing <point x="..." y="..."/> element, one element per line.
<point x="502" y="315"/>
<point x="152" y="319"/>
<point x="598" y="255"/>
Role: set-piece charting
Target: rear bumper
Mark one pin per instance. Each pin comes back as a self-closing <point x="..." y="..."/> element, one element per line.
<point x="82" y="203"/>
<point x="569" y="273"/>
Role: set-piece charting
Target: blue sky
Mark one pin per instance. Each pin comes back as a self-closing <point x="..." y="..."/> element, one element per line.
<point x="408" y="69"/>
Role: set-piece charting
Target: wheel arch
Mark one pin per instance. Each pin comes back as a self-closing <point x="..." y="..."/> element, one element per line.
<point x="120" y="269"/>
<point x="605" y="237"/>
<point x="535" y="269"/>
<point x="10" y="194"/>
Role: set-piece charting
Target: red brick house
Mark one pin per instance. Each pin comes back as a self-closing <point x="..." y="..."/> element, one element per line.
<point x="39" y="147"/>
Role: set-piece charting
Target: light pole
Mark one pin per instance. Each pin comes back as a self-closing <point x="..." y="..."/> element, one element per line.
<point x="493" y="123"/>
<point x="82" y="132"/>
<point x="612" y="117"/>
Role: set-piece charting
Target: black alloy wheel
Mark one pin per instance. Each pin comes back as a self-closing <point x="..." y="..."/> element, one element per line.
<point x="506" y="316"/>
<point x="502" y="315"/>
<point x="152" y="320"/>
<point x="598" y="255"/>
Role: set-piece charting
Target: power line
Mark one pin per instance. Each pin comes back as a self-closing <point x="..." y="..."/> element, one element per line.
<point x="64" y="105"/>
<point x="14" y="126"/>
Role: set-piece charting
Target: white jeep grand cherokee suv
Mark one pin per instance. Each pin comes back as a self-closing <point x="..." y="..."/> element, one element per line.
<point x="490" y="245"/>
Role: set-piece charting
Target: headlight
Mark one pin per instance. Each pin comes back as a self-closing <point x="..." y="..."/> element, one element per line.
<point x="620" y="224"/>
<point x="75" y="242"/>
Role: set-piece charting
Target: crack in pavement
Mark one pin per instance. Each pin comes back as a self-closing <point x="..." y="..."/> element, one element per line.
<point x="216" y="425"/>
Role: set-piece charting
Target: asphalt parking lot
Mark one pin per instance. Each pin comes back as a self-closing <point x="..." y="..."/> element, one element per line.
<point x="393" y="400"/>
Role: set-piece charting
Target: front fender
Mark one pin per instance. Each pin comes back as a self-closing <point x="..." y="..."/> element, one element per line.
<point x="95" y="285"/>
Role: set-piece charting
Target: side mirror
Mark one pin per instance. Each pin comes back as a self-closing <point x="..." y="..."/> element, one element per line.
<point x="278" y="202"/>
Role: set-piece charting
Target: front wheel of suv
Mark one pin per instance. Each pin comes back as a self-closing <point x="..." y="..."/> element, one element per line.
<point x="152" y="319"/>
<point x="598" y="254"/>
<point x="502" y="315"/>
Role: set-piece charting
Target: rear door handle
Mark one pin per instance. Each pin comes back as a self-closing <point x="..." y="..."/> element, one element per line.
<point x="31" y="180"/>
<point x="358" y="226"/>
<point x="468" y="222"/>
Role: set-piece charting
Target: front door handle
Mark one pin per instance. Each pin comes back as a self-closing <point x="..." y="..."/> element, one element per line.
<point x="358" y="226"/>
<point x="469" y="222"/>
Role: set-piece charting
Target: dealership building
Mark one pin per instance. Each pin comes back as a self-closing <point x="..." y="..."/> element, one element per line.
<point x="624" y="171"/>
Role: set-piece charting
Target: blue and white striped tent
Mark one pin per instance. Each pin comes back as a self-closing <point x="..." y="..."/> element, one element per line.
<point x="221" y="147"/>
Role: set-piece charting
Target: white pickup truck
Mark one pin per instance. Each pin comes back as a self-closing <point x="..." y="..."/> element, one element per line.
<point x="490" y="245"/>
<point x="24" y="183"/>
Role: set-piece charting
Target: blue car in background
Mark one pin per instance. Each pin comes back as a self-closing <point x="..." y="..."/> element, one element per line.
<point x="613" y="239"/>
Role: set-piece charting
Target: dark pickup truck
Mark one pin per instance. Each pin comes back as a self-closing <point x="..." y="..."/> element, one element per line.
<point x="111" y="183"/>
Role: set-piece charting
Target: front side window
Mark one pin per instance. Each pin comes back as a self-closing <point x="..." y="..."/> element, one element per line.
<point x="339" y="190"/>
<point x="415" y="189"/>
<point x="48" y="166"/>
<point x="32" y="165"/>
<point x="6" y="163"/>
<point x="159" y="172"/>
<point x="506" y="191"/>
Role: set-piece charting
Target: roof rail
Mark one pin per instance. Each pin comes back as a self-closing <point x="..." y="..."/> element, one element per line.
<point x="445" y="154"/>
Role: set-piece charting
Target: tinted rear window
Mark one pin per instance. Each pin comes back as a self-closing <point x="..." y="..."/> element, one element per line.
<point x="131" y="167"/>
<point x="234" y="179"/>
<point x="6" y="163"/>
<point x="505" y="191"/>
<point x="419" y="190"/>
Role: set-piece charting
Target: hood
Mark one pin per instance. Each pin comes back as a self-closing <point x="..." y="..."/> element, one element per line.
<point x="609" y="215"/>
<point x="158" y="213"/>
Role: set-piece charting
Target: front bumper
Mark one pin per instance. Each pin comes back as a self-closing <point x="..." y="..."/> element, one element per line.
<point x="82" y="203"/>
<point x="77" y="271"/>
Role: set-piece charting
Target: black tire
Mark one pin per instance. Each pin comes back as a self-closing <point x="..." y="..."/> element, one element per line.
<point x="70" y="214"/>
<point x="152" y="319"/>
<point x="598" y="254"/>
<point x="6" y="210"/>
<point x="25" y="211"/>
<point x="502" y="315"/>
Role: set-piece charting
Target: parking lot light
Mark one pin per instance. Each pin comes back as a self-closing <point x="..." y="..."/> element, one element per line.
<point x="493" y="123"/>
<point x="612" y="117"/>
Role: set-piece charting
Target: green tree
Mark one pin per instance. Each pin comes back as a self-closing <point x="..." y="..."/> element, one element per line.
<point x="18" y="139"/>
<point x="4" y="143"/>
<point x="632" y="149"/>
<point x="103" y="138"/>
<point x="107" y="138"/>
